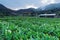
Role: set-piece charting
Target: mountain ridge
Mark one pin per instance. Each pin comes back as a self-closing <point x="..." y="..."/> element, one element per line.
<point x="4" y="11"/>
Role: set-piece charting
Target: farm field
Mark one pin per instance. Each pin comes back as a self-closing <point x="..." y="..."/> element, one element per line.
<point x="29" y="28"/>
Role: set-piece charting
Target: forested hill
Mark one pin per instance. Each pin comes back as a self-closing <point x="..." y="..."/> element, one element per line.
<point x="52" y="8"/>
<point x="4" y="11"/>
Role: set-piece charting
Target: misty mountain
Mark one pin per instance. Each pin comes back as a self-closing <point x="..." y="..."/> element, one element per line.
<point x="53" y="6"/>
<point x="26" y="10"/>
<point x="5" y="11"/>
<point x="50" y="9"/>
<point x="29" y="10"/>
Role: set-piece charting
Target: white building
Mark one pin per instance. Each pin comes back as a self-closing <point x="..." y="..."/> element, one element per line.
<point x="47" y="15"/>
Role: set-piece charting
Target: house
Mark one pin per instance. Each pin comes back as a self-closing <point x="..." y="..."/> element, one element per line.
<point x="47" y="15"/>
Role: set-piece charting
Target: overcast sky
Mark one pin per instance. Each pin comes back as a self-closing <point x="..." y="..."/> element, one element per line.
<point x="21" y="4"/>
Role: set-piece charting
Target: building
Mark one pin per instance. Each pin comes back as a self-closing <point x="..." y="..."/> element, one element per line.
<point x="47" y="15"/>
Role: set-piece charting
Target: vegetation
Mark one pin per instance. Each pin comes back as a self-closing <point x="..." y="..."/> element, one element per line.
<point x="29" y="28"/>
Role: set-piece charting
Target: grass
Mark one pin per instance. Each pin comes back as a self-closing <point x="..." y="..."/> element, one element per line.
<point x="29" y="28"/>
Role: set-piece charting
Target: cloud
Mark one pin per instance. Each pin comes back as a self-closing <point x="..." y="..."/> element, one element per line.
<point x="17" y="8"/>
<point x="46" y="2"/>
<point x="26" y="6"/>
<point x="23" y="4"/>
<point x="30" y="6"/>
<point x="52" y="1"/>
